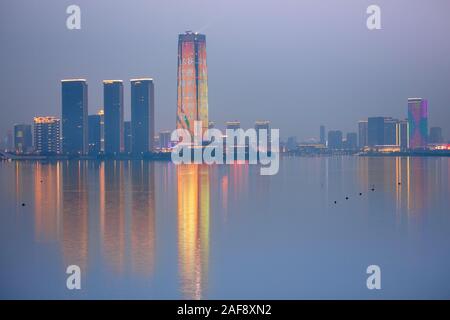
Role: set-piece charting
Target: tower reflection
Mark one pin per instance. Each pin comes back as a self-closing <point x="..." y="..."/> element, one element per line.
<point x="75" y="213"/>
<point x="193" y="228"/>
<point x="112" y="213"/>
<point x="47" y="201"/>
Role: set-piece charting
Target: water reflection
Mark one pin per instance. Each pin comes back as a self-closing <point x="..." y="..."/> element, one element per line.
<point x="143" y="217"/>
<point x="193" y="228"/>
<point x="75" y="210"/>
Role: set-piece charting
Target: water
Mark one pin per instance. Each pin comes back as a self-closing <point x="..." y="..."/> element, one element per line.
<point x="157" y="231"/>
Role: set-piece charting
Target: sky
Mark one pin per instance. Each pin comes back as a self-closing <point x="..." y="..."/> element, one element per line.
<point x="297" y="63"/>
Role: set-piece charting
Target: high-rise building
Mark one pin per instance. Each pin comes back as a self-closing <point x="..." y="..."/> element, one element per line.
<point x="142" y="115"/>
<point x="263" y="125"/>
<point x="436" y="135"/>
<point x="390" y="131"/>
<point x="402" y="135"/>
<point x="74" y="116"/>
<point x="192" y="81"/>
<point x="418" y="122"/>
<point x="127" y="136"/>
<point x="94" y="121"/>
<point x="233" y="125"/>
<point x="375" y="131"/>
<point x="23" y="142"/>
<point x="362" y="133"/>
<point x="322" y="135"/>
<point x="47" y="135"/>
<point x="113" y="109"/>
<point x="164" y="139"/>
<point x="291" y="144"/>
<point x="335" y="139"/>
<point x="351" y="141"/>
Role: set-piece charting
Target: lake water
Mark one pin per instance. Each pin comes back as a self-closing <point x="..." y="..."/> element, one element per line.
<point x="153" y="230"/>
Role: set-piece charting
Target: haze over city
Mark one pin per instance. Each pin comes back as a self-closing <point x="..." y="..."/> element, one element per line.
<point x="296" y="63"/>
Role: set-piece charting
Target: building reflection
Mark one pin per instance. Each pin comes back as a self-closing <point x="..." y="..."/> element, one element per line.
<point x="47" y="201"/>
<point x="193" y="228"/>
<point x="142" y="217"/>
<point x="112" y="213"/>
<point x="74" y="235"/>
<point x="402" y="179"/>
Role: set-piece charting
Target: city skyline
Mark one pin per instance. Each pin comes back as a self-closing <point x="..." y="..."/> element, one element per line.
<point x="260" y="82"/>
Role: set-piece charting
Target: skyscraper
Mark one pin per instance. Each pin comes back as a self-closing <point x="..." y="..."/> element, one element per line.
<point x="418" y="122"/>
<point x="403" y="135"/>
<point x="74" y="116"/>
<point x="113" y="109"/>
<point x="94" y="134"/>
<point x="263" y="125"/>
<point x="192" y="81"/>
<point x="322" y="135"/>
<point x="362" y="133"/>
<point x="375" y="131"/>
<point x="164" y="140"/>
<point x="101" y="113"/>
<point x="47" y="135"/>
<point x="142" y="115"/>
<point x="22" y="138"/>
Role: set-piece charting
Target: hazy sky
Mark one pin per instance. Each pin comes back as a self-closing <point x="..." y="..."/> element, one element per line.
<point x="298" y="63"/>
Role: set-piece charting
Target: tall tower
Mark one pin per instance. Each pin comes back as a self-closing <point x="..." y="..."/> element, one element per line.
<point x="74" y="116"/>
<point x="113" y="108"/>
<point x="142" y="115"/>
<point x="418" y="122"/>
<point x="192" y="81"/>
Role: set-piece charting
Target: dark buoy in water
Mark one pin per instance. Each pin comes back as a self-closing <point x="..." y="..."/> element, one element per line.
<point x="335" y="201"/>
<point x="360" y="193"/>
<point x="23" y="204"/>
<point x="373" y="189"/>
<point x="399" y="183"/>
<point x="346" y="198"/>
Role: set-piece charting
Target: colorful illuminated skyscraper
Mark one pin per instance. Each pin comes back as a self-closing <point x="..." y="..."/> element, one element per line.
<point x="192" y="81"/>
<point x="418" y="122"/>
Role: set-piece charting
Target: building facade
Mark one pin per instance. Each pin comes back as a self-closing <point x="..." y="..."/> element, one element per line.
<point x="335" y="140"/>
<point x="94" y="121"/>
<point x="362" y="133"/>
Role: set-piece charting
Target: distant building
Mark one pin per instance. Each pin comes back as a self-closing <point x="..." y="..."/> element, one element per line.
<point x="74" y="116"/>
<point x="291" y="144"/>
<point x="322" y="135"/>
<point x="403" y="135"/>
<point x="47" y="135"/>
<point x="233" y="125"/>
<point x="351" y="143"/>
<point x="9" y="141"/>
<point x="436" y="135"/>
<point x="418" y="122"/>
<point x="127" y="136"/>
<point x="390" y="131"/>
<point x="164" y="139"/>
<point x="23" y="142"/>
<point x="335" y="140"/>
<point x="263" y="125"/>
<point x="113" y="108"/>
<point x="362" y="133"/>
<point x="375" y="130"/>
<point x="94" y="134"/>
<point x="142" y="115"/>
<point x="211" y="125"/>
